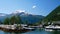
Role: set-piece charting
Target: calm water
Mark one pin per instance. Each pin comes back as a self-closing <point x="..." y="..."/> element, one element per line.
<point x="33" y="32"/>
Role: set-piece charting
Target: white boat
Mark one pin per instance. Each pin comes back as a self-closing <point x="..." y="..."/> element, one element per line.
<point x="48" y="30"/>
<point x="52" y="27"/>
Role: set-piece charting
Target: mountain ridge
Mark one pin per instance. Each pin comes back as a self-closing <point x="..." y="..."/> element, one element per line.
<point x="54" y="15"/>
<point x="25" y="17"/>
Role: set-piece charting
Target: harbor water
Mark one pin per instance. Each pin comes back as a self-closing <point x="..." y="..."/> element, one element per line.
<point x="40" y="31"/>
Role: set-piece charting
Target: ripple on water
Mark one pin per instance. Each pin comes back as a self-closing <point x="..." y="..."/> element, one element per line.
<point x="33" y="32"/>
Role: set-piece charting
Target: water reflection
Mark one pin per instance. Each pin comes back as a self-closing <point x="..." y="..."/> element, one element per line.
<point x="12" y="33"/>
<point x="40" y="31"/>
<point x="55" y="32"/>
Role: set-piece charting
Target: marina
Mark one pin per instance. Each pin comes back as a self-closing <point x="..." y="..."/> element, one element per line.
<point x="15" y="28"/>
<point x="53" y="27"/>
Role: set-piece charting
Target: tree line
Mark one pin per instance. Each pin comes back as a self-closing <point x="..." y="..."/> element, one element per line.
<point x="12" y="20"/>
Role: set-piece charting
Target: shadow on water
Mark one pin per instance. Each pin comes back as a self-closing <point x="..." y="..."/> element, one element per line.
<point x="38" y="31"/>
<point x="42" y="31"/>
<point x="55" y="32"/>
<point x="6" y="32"/>
<point x="12" y="33"/>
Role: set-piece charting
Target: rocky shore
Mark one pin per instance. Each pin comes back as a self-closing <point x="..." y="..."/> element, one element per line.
<point x="15" y="28"/>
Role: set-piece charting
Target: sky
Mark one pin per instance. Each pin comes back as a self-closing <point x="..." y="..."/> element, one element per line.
<point x="36" y="7"/>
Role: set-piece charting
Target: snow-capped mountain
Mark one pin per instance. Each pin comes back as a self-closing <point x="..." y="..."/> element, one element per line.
<point x="19" y="12"/>
<point x="24" y="16"/>
<point x="1" y="14"/>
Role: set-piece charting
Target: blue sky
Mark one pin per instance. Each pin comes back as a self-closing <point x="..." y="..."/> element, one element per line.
<point x="36" y="7"/>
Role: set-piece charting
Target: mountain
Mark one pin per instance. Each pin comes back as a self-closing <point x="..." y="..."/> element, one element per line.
<point x="54" y="15"/>
<point x="24" y="16"/>
<point x="19" y="12"/>
<point x="2" y="16"/>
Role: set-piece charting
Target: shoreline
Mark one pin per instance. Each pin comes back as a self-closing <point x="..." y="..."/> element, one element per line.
<point x="12" y="28"/>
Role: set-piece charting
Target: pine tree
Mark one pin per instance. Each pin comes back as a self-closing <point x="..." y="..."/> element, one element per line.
<point x="13" y="20"/>
<point x="7" y="21"/>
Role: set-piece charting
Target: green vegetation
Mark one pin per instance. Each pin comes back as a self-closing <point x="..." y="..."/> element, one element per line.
<point x="13" y="20"/>
<point x="6" y="21"/>
<point x="53" y="16"/>
<point x="1" y="22"/>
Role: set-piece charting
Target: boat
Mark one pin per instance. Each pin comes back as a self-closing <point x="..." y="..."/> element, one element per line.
<point x="56" y="27"/>
<point x="48" y="30"/>
<point x="14" y="28"/>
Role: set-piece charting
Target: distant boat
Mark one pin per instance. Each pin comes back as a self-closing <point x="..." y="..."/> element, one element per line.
<point x="53" y="27"/>
<point x="48" y="30"/>
<point x="14" y="28"/>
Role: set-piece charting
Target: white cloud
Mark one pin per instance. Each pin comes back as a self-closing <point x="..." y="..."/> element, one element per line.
<point x="34" y="6"/>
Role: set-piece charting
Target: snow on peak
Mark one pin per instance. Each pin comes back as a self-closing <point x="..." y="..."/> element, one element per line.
<point x="1" y="14"/>
<point x="21" y="12"/>
<point x="18" y="11"/>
